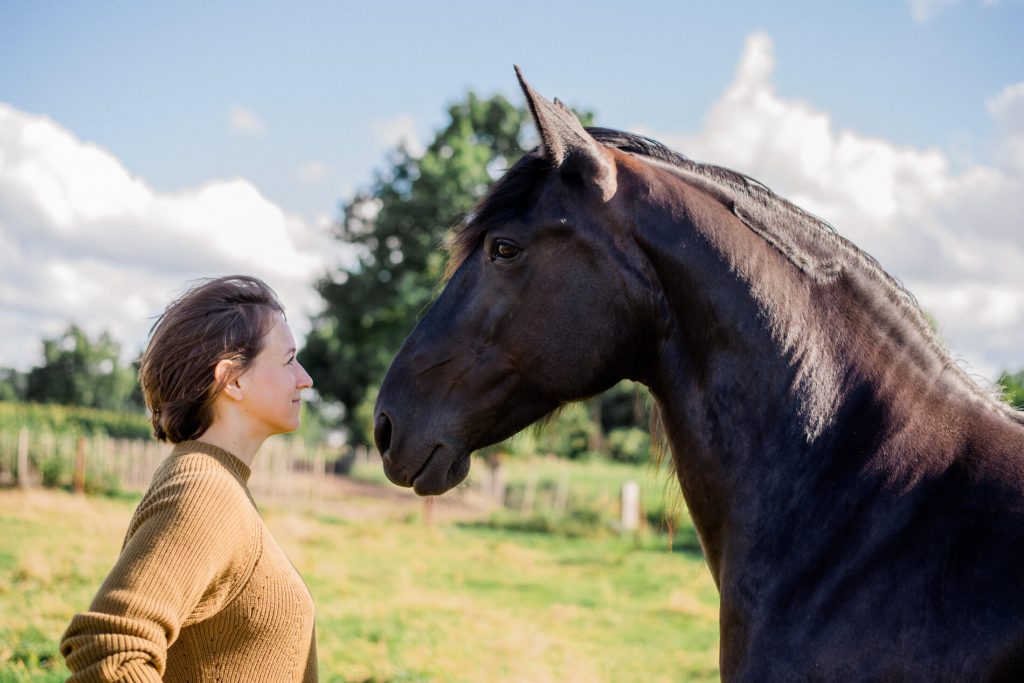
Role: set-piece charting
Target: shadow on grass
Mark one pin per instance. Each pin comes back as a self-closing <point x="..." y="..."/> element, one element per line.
<point x="31" y="655"/>
<point x="682" y="541"/>
<point x="111" y="493"/>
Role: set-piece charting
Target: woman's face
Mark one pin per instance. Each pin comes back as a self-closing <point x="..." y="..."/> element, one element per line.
<point x="273" y="384"/>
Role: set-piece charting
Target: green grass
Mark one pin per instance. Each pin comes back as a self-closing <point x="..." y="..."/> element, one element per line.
<point x="400" y="601"/>
<point x="597" y="481"/>
<point x="54" y="548"/>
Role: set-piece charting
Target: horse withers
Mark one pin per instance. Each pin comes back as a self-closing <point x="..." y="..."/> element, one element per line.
<point x="860" y="502"/>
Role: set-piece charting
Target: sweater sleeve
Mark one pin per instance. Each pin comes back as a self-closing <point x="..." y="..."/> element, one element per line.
<point x="191" y="546"/>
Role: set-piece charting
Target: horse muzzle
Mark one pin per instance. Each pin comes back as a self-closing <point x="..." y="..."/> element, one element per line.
<point x="430" y="469"/>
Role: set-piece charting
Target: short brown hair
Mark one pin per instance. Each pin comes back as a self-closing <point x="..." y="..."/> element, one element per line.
<point x="224" y="318"/>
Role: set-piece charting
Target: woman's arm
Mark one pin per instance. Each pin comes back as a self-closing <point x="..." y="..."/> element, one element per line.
<point x="191" y="547"/>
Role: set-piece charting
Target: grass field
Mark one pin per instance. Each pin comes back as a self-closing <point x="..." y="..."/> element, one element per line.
<point x="398" y="601"/>
<point x="592" y="484"/>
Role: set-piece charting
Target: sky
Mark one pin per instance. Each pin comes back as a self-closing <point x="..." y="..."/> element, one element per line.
<point x="143" y="145"/>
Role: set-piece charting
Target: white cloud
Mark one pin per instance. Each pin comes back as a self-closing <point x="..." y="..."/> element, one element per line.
<point x="1007" y="108"/>
<point x="314" y="172"/>
<point x="955" y="239"/>
<point x="923" y="10"/>
<point x="396" y="131"/>
<point x="83" y="240"/>
<point x="244" y="122"/>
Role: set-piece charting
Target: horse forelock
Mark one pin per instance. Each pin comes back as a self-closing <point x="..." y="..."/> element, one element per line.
<point x="505" y="201"/>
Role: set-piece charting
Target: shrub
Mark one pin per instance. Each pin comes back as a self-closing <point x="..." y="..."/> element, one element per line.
<point x="578" y="522"/>
<point x="60" y="419"/>
<point x="630" y="445"/>
<point x="569" y="435"/>
<point x="1013" y="388"/>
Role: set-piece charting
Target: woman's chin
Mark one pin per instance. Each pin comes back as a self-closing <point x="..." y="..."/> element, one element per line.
<point x="284" y="427"/>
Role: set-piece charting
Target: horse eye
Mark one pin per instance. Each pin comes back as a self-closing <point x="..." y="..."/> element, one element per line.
<point x="504" y="250"/>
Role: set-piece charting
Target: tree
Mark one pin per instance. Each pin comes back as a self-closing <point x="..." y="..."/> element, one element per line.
<point x="1013" y="388"/>
<point x="79" y="371"/>
<point x="399" y="225"/>
<point x="12" y="384"/>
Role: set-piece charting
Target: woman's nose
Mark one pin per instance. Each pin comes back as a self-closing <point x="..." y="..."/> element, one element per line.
<point x="304" y="380"/>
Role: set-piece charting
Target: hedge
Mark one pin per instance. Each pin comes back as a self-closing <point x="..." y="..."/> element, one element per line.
<point x="60" y="419"/>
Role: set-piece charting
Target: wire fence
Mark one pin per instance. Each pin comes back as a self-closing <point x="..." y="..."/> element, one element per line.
<point x="288" y="472"/>
<point x="101" y="464"/>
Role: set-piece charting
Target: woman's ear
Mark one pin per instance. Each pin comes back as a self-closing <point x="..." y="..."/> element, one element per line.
<point x="226" y="376"/>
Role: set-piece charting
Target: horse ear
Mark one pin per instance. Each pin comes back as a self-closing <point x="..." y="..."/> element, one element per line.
<point x="566" y="143"/>
<point x="561" y="105"/>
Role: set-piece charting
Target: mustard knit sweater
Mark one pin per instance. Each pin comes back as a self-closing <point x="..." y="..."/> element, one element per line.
<point x="200" y="592"/>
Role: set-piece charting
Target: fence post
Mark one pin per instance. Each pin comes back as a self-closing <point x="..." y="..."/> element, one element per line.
<point x="630" y="506"/>
<point x="23" y="457"/>
<point x="138" y="452"/>
<point x="319" y="475"/>
<point x="529" y="494"/>
<point x="428" y="511"/>
<point x="498" y="483"/>
<point x="562" y="493"/>
<point x="78" y="483"/>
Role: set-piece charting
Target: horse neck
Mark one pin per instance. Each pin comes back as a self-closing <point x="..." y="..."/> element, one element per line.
<point x="765" y="380"/>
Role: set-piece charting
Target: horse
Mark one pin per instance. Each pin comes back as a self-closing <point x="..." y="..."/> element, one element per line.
<point x="858" y="498"/>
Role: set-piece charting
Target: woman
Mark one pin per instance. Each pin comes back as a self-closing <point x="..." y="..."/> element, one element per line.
<point x="201" y="591"/>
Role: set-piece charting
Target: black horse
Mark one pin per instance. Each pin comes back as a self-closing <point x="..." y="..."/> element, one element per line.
<point x="859" y="500"/>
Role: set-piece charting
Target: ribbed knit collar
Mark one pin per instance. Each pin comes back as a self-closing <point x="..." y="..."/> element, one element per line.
<point x="230" y="462"/>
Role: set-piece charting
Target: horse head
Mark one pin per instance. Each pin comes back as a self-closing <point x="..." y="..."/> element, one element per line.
<point x="544" y="297"/>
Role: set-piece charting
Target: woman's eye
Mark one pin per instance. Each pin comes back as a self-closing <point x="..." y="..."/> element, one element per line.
<point x="505" y="250"/>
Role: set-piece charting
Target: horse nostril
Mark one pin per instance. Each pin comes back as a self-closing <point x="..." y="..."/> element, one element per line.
<point x="382" y="433"/>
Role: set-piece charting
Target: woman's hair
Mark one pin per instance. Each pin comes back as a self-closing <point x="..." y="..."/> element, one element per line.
<point x="225" y="318"/>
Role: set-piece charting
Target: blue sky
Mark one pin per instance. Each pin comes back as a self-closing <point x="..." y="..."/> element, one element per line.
<point x="152" y="82"/>
<point x="276" y="112"/>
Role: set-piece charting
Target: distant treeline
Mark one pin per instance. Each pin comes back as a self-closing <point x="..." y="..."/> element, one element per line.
<point x="77" y="371"/>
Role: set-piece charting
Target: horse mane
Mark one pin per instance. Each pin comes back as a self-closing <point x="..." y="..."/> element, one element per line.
<point x="808" y="242"/>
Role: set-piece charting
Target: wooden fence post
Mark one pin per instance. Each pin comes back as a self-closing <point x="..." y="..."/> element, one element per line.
<point x="630" y="506"/>
<point x="428" y="511"/>
<point x="529" y="494"/>
<point x="562" y="494"/>
<point x="78" y="482"/>
<point x="319" y="476"/>
<point x="23" y="457"/>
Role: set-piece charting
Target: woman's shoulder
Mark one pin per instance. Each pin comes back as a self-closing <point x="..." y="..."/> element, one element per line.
<point x="199" y="486"/>
<point x="194" y="473"/>
<point x="194" y="463"/>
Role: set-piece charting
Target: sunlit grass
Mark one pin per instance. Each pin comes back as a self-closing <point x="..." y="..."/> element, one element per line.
<point x="400" y="601"/>
<point x="597" y="481"/>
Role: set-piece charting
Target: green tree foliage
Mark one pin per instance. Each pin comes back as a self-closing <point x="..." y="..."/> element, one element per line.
<point x="570" y="434"/>
<point x="1013" y="388"/>
<point x="629" y="444"/>
<point x="12" y="384"/>
<point x="79" y="371"/>
<point x="399" y="225"/>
